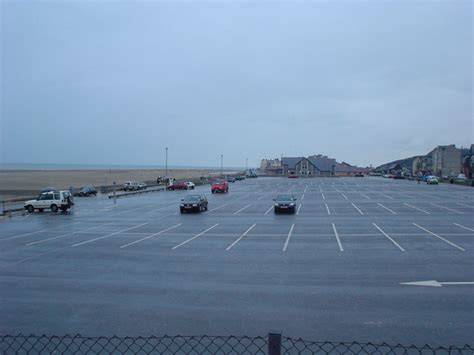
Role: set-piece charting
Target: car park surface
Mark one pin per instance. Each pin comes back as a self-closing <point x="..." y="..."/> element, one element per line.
<point x="335" y="270"/>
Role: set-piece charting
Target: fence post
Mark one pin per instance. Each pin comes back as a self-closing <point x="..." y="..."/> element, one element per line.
<point x="274" y="344"/>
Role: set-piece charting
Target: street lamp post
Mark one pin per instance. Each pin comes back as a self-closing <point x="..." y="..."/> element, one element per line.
<point x="166" y="164"/>
<point x="246" y="165"/>
<point x="222" y="157"/>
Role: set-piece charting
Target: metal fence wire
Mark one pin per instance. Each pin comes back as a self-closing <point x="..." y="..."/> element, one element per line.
<point x="273" y="344"/>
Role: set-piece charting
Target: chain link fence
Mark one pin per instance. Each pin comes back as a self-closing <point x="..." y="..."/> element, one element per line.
<point x="273" y="344"/>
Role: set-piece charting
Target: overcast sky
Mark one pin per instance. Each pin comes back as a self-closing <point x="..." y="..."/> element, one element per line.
<point x="108" y="82"/>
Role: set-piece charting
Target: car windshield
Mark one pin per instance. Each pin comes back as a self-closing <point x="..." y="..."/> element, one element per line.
<point x="192" y="198"/>
<point x="284" y="198"/>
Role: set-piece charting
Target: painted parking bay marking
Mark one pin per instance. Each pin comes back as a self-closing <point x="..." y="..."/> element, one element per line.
<point x="388" y="237"/>
<point x="288" y="237"/>
<point x="388" y="209"/>
<point x="416" y="208"/>
<point x="242" y="236"/>
<point x="196" y="236"/>
<point x="357" y="208"/>
<point x="23" y="235"/>
<point x="446" y="208"/>
<point x="243" y="208"/>
<point x="110" y="235"/>
<point x="216" y="208"/>
<point x="434" y="283"/>
<point x="464" y="227"/>
<point x="67" y="234"/>
<point x="337" y="237"/>
<point x="437" y="236"/>
<point x="151" y="236"/>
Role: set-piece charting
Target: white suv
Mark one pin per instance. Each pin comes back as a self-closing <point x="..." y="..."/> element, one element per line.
<point x="133" y="185"/>
<point x="53" y="200"/>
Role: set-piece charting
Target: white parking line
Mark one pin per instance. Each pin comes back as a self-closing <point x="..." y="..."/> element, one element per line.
<point x="289" y="236"/>
<point x="306" y="188"/>
<point x="357" y="208"/>
<point x="131" y="209"/>
<point x="387" y="196"/>
<point x="160" y="209"/>
<point x="416" y="208"/>
<point x="446" y="208"/>
<point x="302" y="197"/>
<point x="327" y="208"/>
<point x="243" y="208"/>
<point x="23" y="235"/>
<point x="216" y="208"/>
<point x="109" y="235"/>
<point x="388" y="237"/>
<point x="268" y="210"/>
<point x="367" y="197"/>
<point x="242" y="236"/>
<point x="344" y="196"/>
<point x="109" y="207"/>
<point x="196" y="236"/>
<point x="150" y="236"/>
<point x="388" y="209"/>
<point x="320" y="190"/>
<point x="298" y="210"/>
<point x="65" y="235"/>
<point x="467" y="228"/>
<point x="437" y="236"/>
<point x="324" y="197"/>
<point x="462" y="204"/>
<point x="261" y="197"/>
<point x="337" y="237"/>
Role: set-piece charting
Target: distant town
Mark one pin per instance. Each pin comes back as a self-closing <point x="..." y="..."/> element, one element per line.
<point x="444" y="161"/>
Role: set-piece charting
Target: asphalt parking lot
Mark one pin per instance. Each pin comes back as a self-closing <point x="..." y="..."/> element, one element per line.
<point x="335" y="270"/>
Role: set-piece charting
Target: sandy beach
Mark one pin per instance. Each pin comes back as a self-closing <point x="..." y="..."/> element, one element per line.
<point x="15" y="183"/>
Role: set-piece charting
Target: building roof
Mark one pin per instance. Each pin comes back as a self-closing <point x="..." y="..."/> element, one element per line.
<point x="291" y="161"/>
<point x="322" y="163"/>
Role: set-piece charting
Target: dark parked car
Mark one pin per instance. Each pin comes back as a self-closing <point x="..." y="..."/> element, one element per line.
<point x="231" y="179"/>
<point x="285" y="203"/>
<point x="195" y="203"/>
<point x="239" y="178"/>
<point x="178" y="186"/>
<point x="87" y="191"/>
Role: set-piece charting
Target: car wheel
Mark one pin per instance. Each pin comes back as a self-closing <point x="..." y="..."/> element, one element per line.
<point x="30" y="209"/>
<point x="181" y="210"/>
<point x="205" y="208"/>
<point x="54" y="208"/>
<point x="275" y="210"/>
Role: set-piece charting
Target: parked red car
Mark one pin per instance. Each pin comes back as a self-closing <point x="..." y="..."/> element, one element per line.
<point x="220" y="186"/>
<point x="178" y="186"/>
